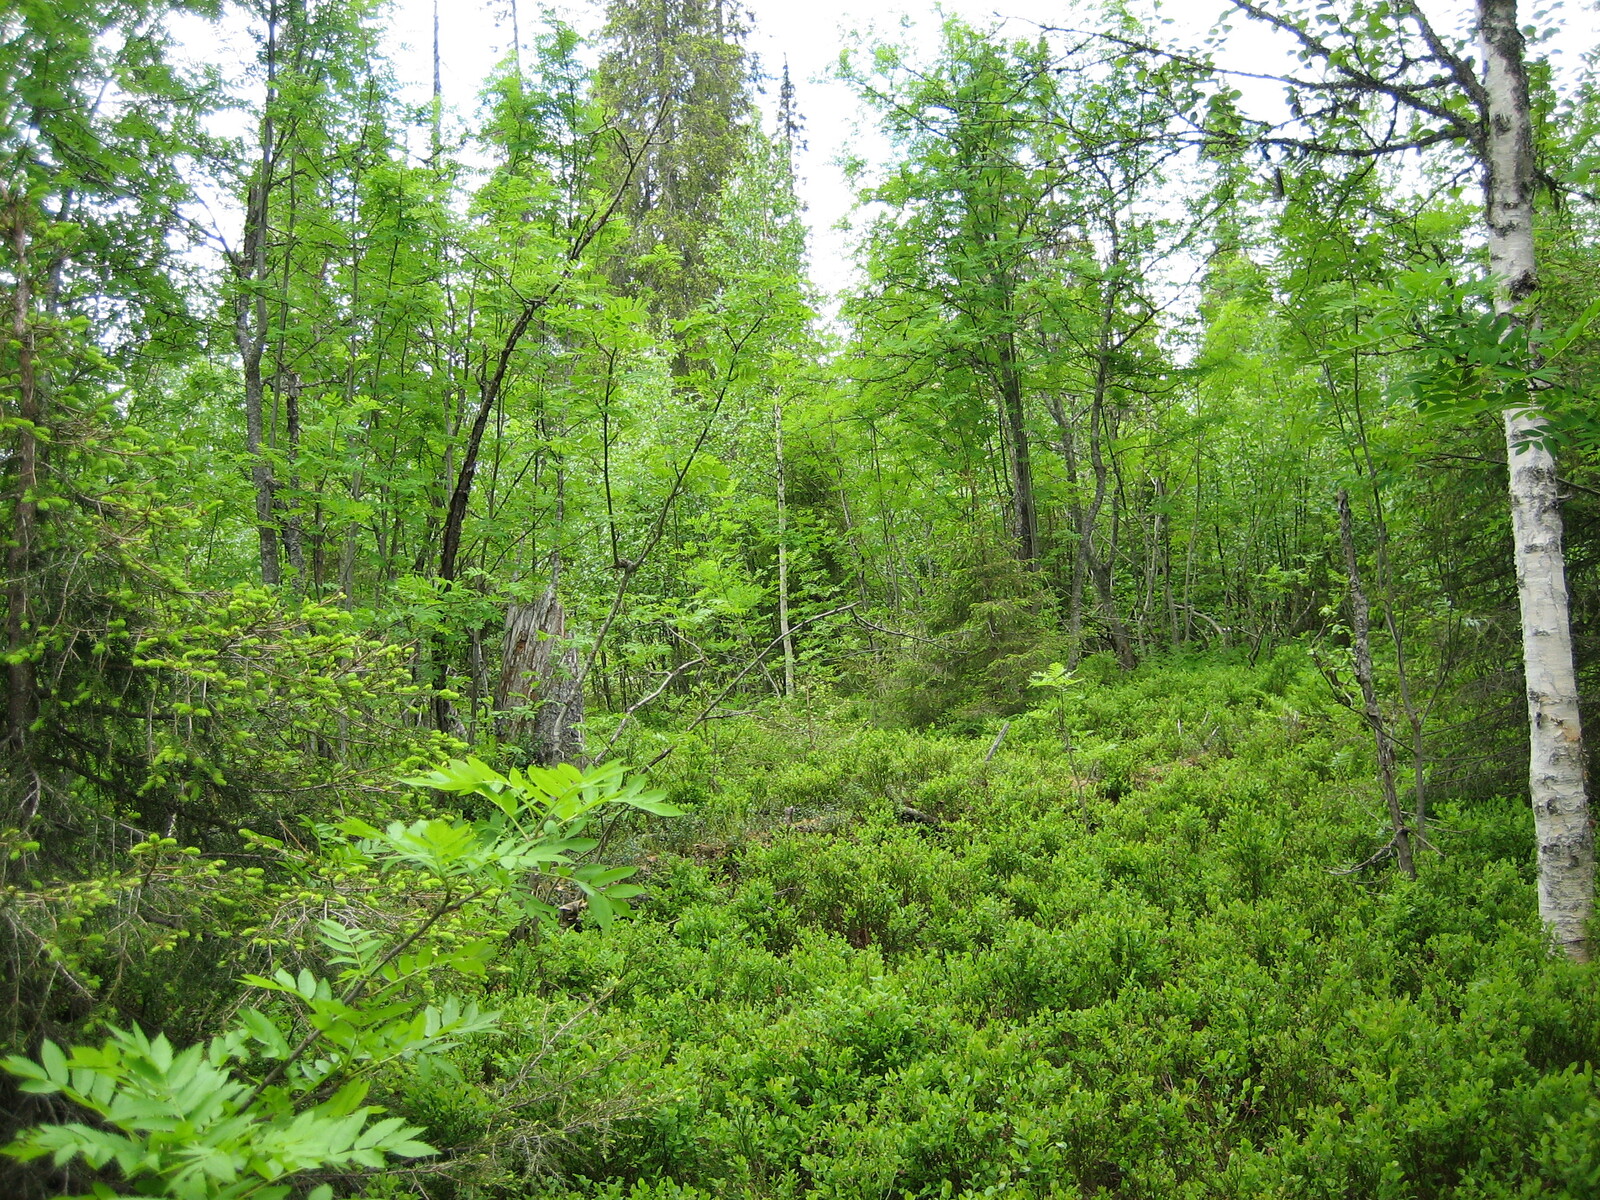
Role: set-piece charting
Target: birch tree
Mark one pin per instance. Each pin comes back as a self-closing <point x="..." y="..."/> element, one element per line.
<point x="1428" y="91"/>
<point x="1555" y="767"/>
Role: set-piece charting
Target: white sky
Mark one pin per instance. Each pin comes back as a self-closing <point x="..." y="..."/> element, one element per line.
<point x="474" y="34"/>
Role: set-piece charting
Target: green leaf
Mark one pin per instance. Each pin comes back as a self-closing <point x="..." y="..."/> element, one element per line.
<point x="54" y="1061"/>
<point x="359" y="828"/>
<point x="1563" y="341"/>
<point x="264" y="1031"/>
<point x="650" y="804"/>
<point x="26" y="1068"/>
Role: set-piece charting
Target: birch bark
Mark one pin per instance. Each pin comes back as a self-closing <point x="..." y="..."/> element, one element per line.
<point x="784" y="632"/>
<point x="1556" y="762"/>
<point x="1499" y="131"/>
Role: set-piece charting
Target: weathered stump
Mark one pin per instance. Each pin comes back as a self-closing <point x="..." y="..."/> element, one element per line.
<point x="540" y="696"/>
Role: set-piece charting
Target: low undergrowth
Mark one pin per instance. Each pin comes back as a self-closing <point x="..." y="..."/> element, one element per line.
<point x="1116" y="954"/>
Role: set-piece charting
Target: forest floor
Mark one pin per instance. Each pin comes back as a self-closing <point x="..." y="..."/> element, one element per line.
<point x="1125" y="957"/>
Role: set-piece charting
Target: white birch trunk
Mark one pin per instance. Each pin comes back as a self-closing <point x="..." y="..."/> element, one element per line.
<point x="1556" y="763"/>
<point x="783" y="551"/>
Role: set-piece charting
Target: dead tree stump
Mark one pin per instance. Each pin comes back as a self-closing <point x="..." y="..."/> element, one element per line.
<point x="540" y="696"/>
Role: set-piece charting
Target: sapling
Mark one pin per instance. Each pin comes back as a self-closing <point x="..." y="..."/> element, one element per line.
<point x="1059" y="680"/>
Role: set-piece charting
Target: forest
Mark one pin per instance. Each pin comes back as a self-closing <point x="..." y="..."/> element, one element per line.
<point x="512" y="690"/>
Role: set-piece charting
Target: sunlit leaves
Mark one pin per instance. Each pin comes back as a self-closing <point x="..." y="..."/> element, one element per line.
<point x="1467" y="360"/>
<point x="228" y="1118"/>
<point x="187" y="1122"/>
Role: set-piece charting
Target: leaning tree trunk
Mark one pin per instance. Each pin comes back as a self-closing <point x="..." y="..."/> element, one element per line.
<point x="541" y="693"/>
<point x="1361" y="646"/>
<point x="24" y="451"/>
<point x="1556" y="766"/>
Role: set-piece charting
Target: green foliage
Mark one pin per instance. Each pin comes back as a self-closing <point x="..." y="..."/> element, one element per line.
<point x="542" y="815"/>
<point x="1472" y="361"/>
<point x="281" y="1091"/>
<point x="1058" y="682"/>
<point x="989" y="629"/>
<point x="676" y="80"/>
<point x="958" y="905"/>
<point x="245" y="679"/>
<point x="1180" y="998"/>
<point x="180" y="1126"/>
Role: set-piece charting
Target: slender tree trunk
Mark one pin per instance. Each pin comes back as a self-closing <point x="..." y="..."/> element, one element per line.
<point x="1194" y="538"/>
<point x="1080" y="548"/>
<point x="1353" y="422"/>
<point x="1087" y="562"/>
<point x="1022" y="492"/>
<point x="891" y="553"/>
<point x="251" y="341"/>
<point x="250" y="317"/>
<point x="493" y="374"/>
<point x="293" y="533"/>
<point x="1100" y="569"/>
<point x="783" y="551"/>
<point x="1556" y="762"/>
<point x="20" y="682"/>
<point x="1413" y="713"/>
<point x="516" y="39"/>
<point x="1361" y="643"/>
<point x="1168" y="594"/>
<point x="348" y="542"/>
<point x="849" y="526"/>
<point x="437" y="111"/>
<point x="1152" y="558"/>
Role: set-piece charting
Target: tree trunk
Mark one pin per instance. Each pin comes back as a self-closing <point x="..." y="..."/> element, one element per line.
<point x="20" y="682"/>
<point x="250" y="338"/>
<point x="1080" y="548"/>
<point x="293" y="533"/>
<point x="1100" y="569"/>
<point x="1021" y="456"/>
<point x="1556" y="764"/>
<point x="1087" y="561"/>
<point x="492" y="382"/>
<point x="783" y="552"/>
<point x="540" y="692"/>
<point x="1361" y="644"/>
<point x="250" y="317"/>
<point x="1168" y="594"/>
<point x="1194" y="538"/>
<point x="436" y="113"/>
